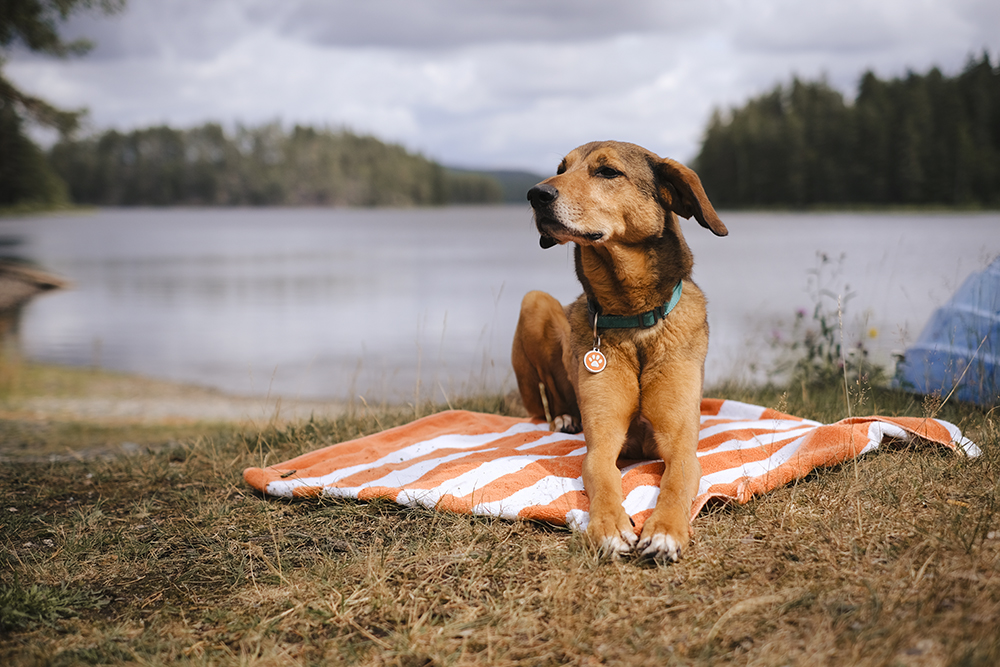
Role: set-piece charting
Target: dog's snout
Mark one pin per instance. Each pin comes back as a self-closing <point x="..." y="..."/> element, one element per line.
<point x="542" y="195"/>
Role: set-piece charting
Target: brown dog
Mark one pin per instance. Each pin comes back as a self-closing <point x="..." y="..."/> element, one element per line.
<point x="617" y="202"/>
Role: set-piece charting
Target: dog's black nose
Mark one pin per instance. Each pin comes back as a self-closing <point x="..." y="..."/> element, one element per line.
<point x="542" y="194"/>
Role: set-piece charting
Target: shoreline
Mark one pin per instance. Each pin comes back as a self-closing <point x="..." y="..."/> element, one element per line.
<point x="51" y="414"/>
<point x="38" y="391"/>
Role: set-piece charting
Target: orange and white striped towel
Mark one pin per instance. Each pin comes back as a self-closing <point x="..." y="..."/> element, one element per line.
<point x="516" y="468"/>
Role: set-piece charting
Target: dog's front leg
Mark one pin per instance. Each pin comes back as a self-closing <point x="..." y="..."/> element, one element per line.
<point x="672" y="406"/>
<point x="608" y="402"/>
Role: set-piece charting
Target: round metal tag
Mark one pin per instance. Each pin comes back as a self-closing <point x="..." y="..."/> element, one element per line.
<point x="595" y="361"/>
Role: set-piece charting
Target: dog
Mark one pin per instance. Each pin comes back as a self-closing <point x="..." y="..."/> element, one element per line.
<point x="625" y="361"/>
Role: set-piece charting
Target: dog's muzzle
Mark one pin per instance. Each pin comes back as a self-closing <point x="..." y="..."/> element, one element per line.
<point x="541" y="197"/>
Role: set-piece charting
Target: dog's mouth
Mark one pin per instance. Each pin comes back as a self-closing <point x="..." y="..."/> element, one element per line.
<point x="552" y="232"/>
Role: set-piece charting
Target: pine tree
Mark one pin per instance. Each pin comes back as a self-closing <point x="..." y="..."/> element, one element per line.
<point x="920" y="139"/>
<point x="25" y="177"/>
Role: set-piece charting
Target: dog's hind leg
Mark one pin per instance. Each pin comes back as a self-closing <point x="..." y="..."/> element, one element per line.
<point x="541" y="342"/>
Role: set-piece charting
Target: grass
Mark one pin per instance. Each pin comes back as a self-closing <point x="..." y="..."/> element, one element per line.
<point x="167" y="557"/>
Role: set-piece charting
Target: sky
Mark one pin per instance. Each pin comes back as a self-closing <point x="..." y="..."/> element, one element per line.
<point x="512" y="84"/>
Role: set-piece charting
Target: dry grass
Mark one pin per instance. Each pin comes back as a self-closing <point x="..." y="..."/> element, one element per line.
<point x="166" y="557"/>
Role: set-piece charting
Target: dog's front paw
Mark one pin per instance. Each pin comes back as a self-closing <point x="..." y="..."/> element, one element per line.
<point x="612" y="539"/>
<point x="614" y="546"/>
<point x="566" y="424"/>
<point x="660" y="547"/>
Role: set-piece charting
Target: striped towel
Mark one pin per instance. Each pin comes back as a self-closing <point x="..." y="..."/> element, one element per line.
<point x="516" y="468"/>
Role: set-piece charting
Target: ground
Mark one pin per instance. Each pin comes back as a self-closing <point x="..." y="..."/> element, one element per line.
<point x="43" y="407"/>
<point x="157" y="553"/>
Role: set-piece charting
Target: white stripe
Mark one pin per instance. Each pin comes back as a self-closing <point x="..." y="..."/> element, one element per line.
<point x="416" y="450"/>
<point x="479" y="476"/>
<point x="737" y="410"/>
<point x="486" y="473"/>
<point x="757" y="441"/>
<point x="411" y="473"/>
<point x="463" y="485"/>
<point x="878" y="432"/>
<point x="542" y="492"/>
<point x="641" y="498"/>
<point x="963" y="444"/>
<point x="775" y="425"/>
<point x="752" y="468"/>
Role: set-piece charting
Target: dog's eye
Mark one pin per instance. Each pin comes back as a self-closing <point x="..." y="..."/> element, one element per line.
<point x="562" y="168"/>
<point x="607" y="172"/>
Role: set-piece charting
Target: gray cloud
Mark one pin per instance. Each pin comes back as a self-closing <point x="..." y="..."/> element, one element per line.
<point x="444" y="24"/>
<point x="194" y="28"/>
<point x="511" y="83"/>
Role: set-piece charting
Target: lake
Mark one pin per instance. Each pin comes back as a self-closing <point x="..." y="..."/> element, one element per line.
<point x="391" y="304"/>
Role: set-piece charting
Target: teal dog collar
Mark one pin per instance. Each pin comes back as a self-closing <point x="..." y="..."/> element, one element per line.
<point x="640" y="321"/>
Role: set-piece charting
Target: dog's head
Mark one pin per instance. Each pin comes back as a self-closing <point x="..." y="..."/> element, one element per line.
<point x="610" y="191"/>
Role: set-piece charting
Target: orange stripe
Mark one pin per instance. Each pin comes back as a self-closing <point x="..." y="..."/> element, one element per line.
<point x="709" y="443"/>
<point x="555" y="511"/>
<point x="479" y="453"/>
<point x="712" y="463"/>
<point x="375" y="446"/>
<point x="711" y="406"/>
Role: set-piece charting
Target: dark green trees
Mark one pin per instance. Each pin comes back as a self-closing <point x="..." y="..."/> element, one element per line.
<point x="259" y="166"/>
<point x="918" y="140"/>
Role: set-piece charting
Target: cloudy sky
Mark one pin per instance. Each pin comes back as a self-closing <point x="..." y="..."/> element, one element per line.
<point x="489" y="83"/>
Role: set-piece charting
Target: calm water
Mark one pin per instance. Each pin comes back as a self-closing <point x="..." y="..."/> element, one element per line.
<point x="383" y="303"/>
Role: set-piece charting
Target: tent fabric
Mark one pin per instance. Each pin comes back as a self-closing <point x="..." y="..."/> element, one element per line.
<point x="958" y="351"/>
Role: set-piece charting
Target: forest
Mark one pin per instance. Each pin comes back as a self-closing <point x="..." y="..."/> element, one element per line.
<point x="257" y="166"/>
<point x="922" y="139"/>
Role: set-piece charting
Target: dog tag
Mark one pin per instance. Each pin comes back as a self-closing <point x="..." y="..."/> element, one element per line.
<point x="595" y="361"/>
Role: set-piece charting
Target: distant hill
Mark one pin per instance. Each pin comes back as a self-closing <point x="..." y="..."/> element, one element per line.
<point x="258" y="166"/>
<point x="514" y="184"/>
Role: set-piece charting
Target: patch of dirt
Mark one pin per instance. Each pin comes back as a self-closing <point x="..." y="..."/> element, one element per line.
<point x="192" y="406"/>
<point x="97" y="397"/>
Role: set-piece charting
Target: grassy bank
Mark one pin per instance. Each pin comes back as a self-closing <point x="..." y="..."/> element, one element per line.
<point x="167" y="557"/>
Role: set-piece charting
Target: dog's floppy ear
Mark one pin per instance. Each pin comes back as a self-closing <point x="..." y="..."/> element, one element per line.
<point x="682" y="193"/>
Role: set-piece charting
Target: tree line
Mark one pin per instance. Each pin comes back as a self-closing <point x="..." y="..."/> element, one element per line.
<point x="257" y="166"/>
<point x="162" y="166"/>
<point x="922" y="139"/>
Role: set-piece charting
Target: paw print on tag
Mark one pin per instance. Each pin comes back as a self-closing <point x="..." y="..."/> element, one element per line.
<point x="595" y="361"/>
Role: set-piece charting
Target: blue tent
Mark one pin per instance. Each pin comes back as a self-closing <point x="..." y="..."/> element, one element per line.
<point x="960" y="346"/>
